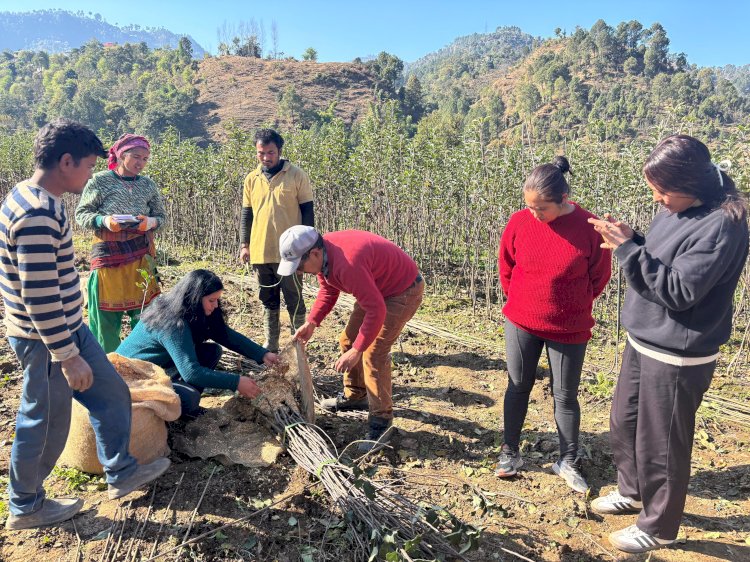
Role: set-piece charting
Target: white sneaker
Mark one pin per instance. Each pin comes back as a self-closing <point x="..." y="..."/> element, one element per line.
<point x="632" y="539"/>
<point x="615" y="503"/>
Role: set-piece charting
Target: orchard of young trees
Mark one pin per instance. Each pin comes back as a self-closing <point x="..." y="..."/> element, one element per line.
<point x="442" y="193"/>
<point x="437" y="174"/>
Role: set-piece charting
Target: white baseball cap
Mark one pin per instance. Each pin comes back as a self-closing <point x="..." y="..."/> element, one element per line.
<point x="293" y="244"/>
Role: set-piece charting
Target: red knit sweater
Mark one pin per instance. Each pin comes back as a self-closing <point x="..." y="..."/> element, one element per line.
<point x="368" y="267"/>
<point x="551" y="274"/>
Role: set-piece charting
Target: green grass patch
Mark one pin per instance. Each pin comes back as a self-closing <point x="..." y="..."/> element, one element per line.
<point x="601" y="386"/>
<point x="77" y="480"/>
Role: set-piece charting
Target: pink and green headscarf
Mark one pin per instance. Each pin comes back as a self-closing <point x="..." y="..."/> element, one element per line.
<point x="122" y="145"/>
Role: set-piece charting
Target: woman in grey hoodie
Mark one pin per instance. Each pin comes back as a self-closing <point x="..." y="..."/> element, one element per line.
<point x="681" y="279"/>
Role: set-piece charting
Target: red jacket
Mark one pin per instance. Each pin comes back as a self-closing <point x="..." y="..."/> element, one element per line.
<point x="551" y="274"/>
<point x="368" y="267"/>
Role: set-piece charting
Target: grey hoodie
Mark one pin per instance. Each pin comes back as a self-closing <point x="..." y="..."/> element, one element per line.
<point x="681" y="280"/>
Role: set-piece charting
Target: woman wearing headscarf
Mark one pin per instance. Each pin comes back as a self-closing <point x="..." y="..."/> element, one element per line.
<point x="124" y="209"/>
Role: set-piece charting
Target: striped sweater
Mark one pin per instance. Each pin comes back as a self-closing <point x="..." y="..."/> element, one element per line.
<point x="38" y="279"/>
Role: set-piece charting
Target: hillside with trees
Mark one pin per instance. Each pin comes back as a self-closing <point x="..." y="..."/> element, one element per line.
<point x="453" y="76"/>
<point x="116" y="88"/>
<point x="737" y="75"/>
<point x="613" y="83"/>
<point x="130" y="87"/>
<point x="56" y="31"/>
<point x="605" y="83"/>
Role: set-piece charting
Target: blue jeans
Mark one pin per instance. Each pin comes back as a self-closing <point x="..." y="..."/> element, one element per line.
<point x="43" y="418"/>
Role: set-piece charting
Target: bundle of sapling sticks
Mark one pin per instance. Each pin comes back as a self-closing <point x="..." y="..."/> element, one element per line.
<point x="382" y="522"/>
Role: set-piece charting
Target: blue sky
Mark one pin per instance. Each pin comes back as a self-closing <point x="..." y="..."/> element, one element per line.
<point x="709" y="32"/>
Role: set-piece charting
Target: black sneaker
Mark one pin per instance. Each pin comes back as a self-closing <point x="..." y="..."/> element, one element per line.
<point x="508" y="462"/>
<point x="339" y="402"/>
<point x="378" y="435"/>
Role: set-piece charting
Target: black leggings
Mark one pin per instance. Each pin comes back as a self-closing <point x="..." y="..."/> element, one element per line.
<point x="522" y="351"/>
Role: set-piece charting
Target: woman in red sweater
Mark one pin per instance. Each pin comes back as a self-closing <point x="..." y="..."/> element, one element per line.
<point x="551" y="269"/>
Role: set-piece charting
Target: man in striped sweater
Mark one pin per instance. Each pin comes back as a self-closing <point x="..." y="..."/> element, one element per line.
<point x="60" y="357"/>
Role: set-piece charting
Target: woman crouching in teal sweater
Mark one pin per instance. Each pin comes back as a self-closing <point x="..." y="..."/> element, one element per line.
<point x="172" y="334"/>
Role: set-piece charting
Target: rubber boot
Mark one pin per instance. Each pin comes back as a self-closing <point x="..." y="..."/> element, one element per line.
<point x="271" y="328"/>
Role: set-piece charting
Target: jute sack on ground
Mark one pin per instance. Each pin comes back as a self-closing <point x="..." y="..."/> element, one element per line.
<point x="154" y="402"/>
<point x="239" y="431"/>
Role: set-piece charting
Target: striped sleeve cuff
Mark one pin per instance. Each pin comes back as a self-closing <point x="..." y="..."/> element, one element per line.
<point x="61" y="354"/>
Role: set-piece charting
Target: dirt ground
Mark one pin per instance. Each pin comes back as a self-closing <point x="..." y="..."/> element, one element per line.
<point x="449" y="412"/>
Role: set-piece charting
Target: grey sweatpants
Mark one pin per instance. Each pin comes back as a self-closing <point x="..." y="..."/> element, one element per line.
<point x="652" y="424"/>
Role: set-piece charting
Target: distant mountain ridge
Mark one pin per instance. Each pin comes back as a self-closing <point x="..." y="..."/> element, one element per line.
<point x="58" y="31"/>
<point x="608" y="83"/>
<point x="470" y="62"/>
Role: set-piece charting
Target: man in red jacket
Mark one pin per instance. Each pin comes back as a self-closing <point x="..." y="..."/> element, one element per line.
<point x="388" y="288"/>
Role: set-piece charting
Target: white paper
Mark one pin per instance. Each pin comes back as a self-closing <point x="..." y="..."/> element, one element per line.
<point x="125" y="218"/>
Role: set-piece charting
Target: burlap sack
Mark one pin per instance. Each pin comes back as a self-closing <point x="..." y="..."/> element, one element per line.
<point x="229" y="435"/>
<point x="153" y="402"/>
<point x="240" y="431"/>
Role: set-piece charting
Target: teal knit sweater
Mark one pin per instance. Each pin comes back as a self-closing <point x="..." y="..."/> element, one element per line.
<point x="177" y="349"/>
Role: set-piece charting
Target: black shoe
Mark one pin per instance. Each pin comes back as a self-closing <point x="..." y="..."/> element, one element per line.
<point x="339" y="402"/>
<point x="195" y="414"/>
<point x="378" y="435"/>
<point x="508" y="462"/>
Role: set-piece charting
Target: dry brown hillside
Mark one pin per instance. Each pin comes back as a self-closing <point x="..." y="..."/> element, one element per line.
<point x="247" y="90"/>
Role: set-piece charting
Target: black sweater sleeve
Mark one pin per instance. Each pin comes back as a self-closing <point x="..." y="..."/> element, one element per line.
<point x="246" y="224"/>
<point x="308" y="215"/>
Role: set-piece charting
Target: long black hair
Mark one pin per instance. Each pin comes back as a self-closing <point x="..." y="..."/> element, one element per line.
<point x="183" y="306"/>
<point x="682" y="164"/>
<point x="548" y="180"/>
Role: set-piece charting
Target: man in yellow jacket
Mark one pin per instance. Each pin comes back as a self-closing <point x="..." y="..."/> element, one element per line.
<point x="275" y="196"/>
